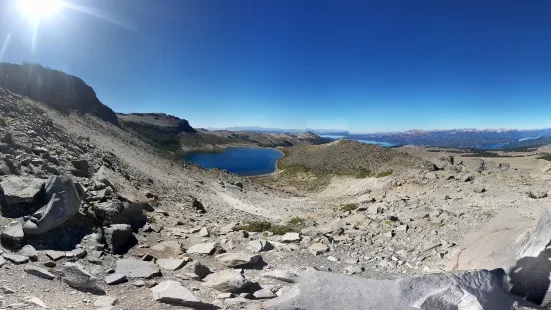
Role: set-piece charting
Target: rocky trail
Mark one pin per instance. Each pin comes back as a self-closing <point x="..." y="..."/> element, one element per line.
<point x="92" y="217"/>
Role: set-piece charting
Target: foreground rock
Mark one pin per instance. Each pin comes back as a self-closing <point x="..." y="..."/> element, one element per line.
<point x="468" y="291"/>
<point x="231" y="281"/>
<point x="78" y="278"/>
<point x="133" y="268"/>
<point x="18" y="190"/>
<point x="13" y="236"/>
<point x="203" y="248"/>
<point x="63" y="203"/>
<point x="173" y="292"/>
<point x="238" y="259"/>
<point x="119" y="238"/>
<point x="516" y="241"/>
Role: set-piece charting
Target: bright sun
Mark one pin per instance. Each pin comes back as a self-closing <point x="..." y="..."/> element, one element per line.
<point x="38" y="9"/>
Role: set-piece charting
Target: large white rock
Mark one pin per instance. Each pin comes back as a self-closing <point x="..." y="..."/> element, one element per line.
<point x="514" y="241"/>
<point x="477" y="290"/>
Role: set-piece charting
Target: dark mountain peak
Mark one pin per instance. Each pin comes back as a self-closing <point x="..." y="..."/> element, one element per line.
<point x="158" y="120"/>
<point x="54" y="88"/>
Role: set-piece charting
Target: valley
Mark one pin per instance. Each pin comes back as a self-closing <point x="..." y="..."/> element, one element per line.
<point x="137" y="227"/>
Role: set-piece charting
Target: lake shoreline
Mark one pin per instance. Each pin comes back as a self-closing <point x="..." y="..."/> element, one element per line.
<point x="244" y="161"/>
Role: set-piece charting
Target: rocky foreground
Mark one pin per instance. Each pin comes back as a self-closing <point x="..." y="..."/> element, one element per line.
<point x="93" y="218"/>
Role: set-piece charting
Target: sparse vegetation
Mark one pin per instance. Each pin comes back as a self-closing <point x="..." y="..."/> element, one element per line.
<point x="483" y="154"/>
<point x="350" y="207"/>
<point x="3" y="122"/>
<point x="531" y="195"/>
<point x="545" y="156"/>
<point x="296" y="221"/>
<point x="384" y="173"/>
<point x="293" y="225"/>
<point x="363" y="173"/>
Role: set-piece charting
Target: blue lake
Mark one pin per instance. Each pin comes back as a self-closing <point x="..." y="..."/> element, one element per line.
<point x="246" y="161"/>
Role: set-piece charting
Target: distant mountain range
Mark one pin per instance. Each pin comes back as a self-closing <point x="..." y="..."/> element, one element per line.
<point x="463" y="137"/>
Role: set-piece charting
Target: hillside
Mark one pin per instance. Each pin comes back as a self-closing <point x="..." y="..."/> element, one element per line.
<point x="175" y="135"/>
<point x="56" y="89"/>
<point x="310" y="167"/>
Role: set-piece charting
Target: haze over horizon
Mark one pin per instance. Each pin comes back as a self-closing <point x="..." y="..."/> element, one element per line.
<point x="362" y="66"/>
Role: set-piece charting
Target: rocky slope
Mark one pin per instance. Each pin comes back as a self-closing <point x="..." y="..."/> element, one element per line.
<point x="149" y="231"/>
<point x="56" y="89"/>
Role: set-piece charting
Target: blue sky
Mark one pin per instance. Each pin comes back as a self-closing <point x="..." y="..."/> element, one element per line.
<point x="358" y="65"/>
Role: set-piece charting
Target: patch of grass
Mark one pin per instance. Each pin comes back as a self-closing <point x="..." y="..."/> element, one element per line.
<point x="350" y="207"/>
<point x="255" y="226"/>
<point x="283" y="229"/>
<point x="385" y="173"/>
<point x="530" y="195"/>
<point x="363" y="173"/>
<point x="3" y="122"/>
<point x="293" y="225"/>
<point x="545" y="156"/>
<point x="296" y="221"/>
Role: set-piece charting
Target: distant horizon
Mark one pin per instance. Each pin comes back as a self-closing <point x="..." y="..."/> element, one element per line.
<point x="336" y="131"/>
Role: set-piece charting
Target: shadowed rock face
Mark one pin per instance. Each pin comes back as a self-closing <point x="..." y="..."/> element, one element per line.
<point x="56" y="89"/>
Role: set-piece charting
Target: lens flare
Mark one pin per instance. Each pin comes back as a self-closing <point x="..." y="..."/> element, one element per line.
<point x="38" y="9"/>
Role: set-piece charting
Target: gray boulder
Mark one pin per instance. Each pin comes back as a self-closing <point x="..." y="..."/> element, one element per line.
<point x="238" y="259"/>
<point x="231" y="281"/>
<point x="29" y="251"/>
<point x="119" y="238"/>
<point x="108" y="212"/>
<point x="39" y="272"/>
<point x="260" y="245"/>
<point x="171" y="263"/>
<point x="203" y="248"/>
<point x="19" y="189"/>
<point x="173" y="292"/>
<point x="196" y="270"/>
<point x="12" y="236"/>
<point x="16" y="259"/>
<point x="78" y="278"/>
<point x="480" y="289"/>
<point x="133" y="268"/>
<point x="63" y="203"/>
<point x="281" y="275"/>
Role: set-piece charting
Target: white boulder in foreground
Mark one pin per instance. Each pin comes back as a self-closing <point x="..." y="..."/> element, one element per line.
<point x="518" y="242"/>
<point x="476" y="290"/>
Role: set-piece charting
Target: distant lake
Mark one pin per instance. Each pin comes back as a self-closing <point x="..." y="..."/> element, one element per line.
<point x="246" y="161"/>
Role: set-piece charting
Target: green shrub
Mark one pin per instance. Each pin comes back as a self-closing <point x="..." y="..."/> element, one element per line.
<point x="545" y="156"/>
<point x="255" y="226"/>
<point x="363" y="173"/>
<point x="532" y="195"/>
<point x="385" y="173"/>
<point x="3" y="122"/>
<point x="293" y="225"/>
<point x="296" y="221"/>
<point x="350" y="207"/>
<point x="282" y="229"/>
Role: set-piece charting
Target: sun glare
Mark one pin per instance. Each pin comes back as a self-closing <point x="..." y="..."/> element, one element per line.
<point x="38" y="9"/>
